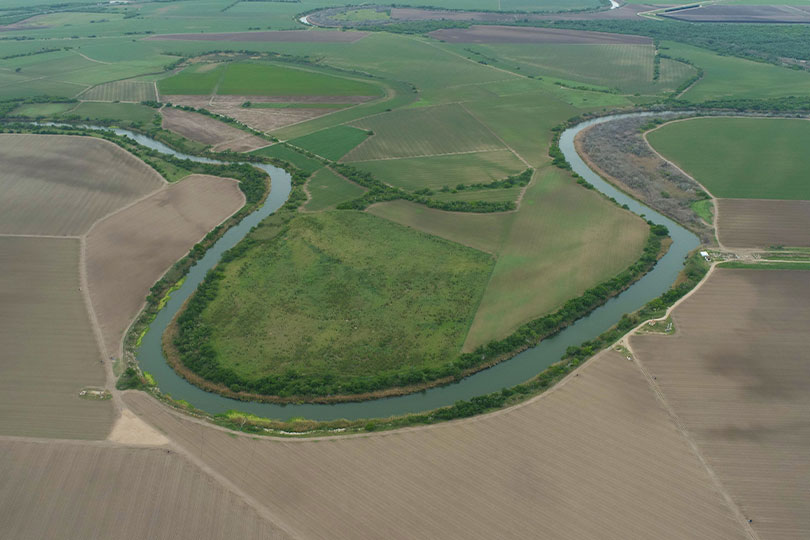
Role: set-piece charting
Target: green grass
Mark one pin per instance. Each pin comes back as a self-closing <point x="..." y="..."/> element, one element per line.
<point x="123" y="112"/>
<point x="35" y="110"/>
<point x="300" y="105"/>
<point x="489" y="195"/>
<point x="422" y="132"/>
<point x="360" y="296"/>
<point x="747" y="158"/>
<point x="332" y="143"/>
<point x="363" y="15"/>
<point x="305" y="163"/>
<point x="480" y="231"/>
<point x="328" y="190"/>
<point x="704" y="209"/>
<point x="563" y="240"/>
<point x="261" y="79"/>
<point x="435" y="172"/>
<point x="121" y="91"/>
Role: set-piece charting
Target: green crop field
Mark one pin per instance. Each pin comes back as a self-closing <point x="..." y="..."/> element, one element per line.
<point x="261" y="79"/>
<point x="438" y="171"/>
<point x="332" y="143"/>
<point x="745" y="158"/>
<point x="122" y="112"/>
<point x="489" y="195"/>
<point x="121" y="91"/>
<point x="445" y="129"/>
<point x="361" y="296"/>
<point x="34" y="110"/>
<point x="328" y="190"/>
<point x="305" y="163"/>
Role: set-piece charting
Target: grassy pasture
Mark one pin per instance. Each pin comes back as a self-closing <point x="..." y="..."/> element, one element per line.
<point x="361" y="296"/>
<point x="36" y="110"/>
<point x="328" y="190"/>
<point x="490" y="195"/>
<point x="438" y="171"/>
<point x="332" y="143"/>
<point x="122" y="112"/>
<point x="49" y="350"/>
<point x="563" y="240"/>
<point x="480" y="231"/>
<point x="744" y="158"/>
<point x="305" y="163"/>
<point x="425" y="131"/>
<point x="60" y="185"/>
<point x="121" y="91"/>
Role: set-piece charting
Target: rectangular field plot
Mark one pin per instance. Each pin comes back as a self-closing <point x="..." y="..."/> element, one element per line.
<point x="134" y="91"/>
<point x="736" y="373"/>
<point x="446" y="129"/>
<point x="77" y="490"/>
<point x="60" y="185"/>
<point x="439" y="171"/>
<point x="327" y="190"/>
<point x="332" y="143"/>
<point x="49" y="352"/>
<point x="763" y="223"/>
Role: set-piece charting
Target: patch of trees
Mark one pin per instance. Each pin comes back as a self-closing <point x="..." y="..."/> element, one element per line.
<point x="514" y="180"/>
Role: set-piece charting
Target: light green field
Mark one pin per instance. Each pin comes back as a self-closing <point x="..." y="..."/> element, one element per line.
<point x="363" y="15"/>
<point x="328" y="190"/>
<point x="361" y="296"/>
<point x="123" y="112"/>
<point x="563" y="240"/>
<point x="743" y="158"/>
<point x="445" y="129"/>
<point x="121" y="91"/>
<point x="305" y="163"/>
<point x="728" y="77"/>
<point x="332" y="143"/>
<point x="480" y="231"/>
<point x="488" y="195"/>
<point x="260" y="79"/>
<point x="35" y="110"/>
<point x="438" y="171"/>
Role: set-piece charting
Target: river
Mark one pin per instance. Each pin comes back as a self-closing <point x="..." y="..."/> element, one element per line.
<point x="509" y="373"/>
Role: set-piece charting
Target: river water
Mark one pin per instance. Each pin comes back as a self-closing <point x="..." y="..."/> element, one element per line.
<point x="509" y="373"/>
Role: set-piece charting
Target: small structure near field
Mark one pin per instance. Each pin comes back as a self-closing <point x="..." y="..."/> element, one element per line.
<point x="705" y="255"/>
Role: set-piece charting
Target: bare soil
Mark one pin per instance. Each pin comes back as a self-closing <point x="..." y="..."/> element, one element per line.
<point x="48" y="352"/>
<point x="294" y="36"/>
<point x="129" y="251"/>
<point x="515" y="34"/>
<point x="736" y="374"/>
<point x="743" y="14"/>
<point x="763" y="222"/>
<point x="76" y="490"/>
<point x="61" y="185"/>
<point x="597" y="457"/>
<point x="207" y="130"/>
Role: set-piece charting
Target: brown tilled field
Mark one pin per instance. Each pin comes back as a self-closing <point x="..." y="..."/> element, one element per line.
<point x="47" y="346"/>
<point x="294" y="36"/>
<point x="597" y="457"/>
<point x="743" y="14"/>
<point x="763" y="222"/>
<point x="129" y="251"/>
<point x="736" y="374"/>
<point x="514" y="34"/>
<point x="60" y="185"/>
<point x="76" y="490"/>
<point x="207" y="130"/>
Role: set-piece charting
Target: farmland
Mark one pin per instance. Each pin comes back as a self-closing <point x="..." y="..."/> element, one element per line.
<point x="332" y="143"/>
<point x="763" y="223"/>
<point x="743" y="158"/>
<point x="42" y="375"/>
<point x="327" y="190"/>
<point x="280" y="151"/>
<point x="60" y="185"/>
<point x="123" y="257"/>
<point x="134" y="91"/>
<point x="210" y="131"/>
<point x="418" y="294"/>
<point x="744" y="337"/>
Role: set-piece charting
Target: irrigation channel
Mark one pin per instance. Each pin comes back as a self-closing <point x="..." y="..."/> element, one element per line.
<point x="509" y="373"/>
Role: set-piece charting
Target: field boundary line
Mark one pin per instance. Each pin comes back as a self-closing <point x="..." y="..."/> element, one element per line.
<point x="463" y="106"/>
<point x="425" y="155"/>
<point x="91" y="59"/>
<point x="55" y="236"/>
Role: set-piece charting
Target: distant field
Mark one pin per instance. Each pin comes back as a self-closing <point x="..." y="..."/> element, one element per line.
<point x="327" y="190"/>
<point x="60" y="185"/>
<point x="763" y="223"/>
<point x="480" y="231"/>
<point x="70" y="490"/>
<point x="362" y="296"/>
<point x="332" y="143"/>
<point x="493" y="195"/>
<point x="123" y="112"/>
<point x="750" y="158"/>
<point x="121" y="91"/>
<point x="210" y="131"/>
<point x="305" y="163"/>
<point x="438" y="171"/>
<point x="563" y="240"/>
<point x="249" y="78"/>
<point x="48" y="348"/>
<point x="129" y="251"/>
<point x="421" y="132"/>
<point x="736" y="372"/>
<point x="34" y="110"/>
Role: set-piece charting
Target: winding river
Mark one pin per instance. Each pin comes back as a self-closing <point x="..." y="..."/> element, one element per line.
<point x="516" y="370"/>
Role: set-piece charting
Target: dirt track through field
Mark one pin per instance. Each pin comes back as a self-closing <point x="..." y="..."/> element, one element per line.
<point x="48" y="352"/>
<point x="736" y="373"/>
<point x="597" y="457"/>
<point x="94" y="490"/>
<point x="129" y="251"/>
<point x="514" y="34"/>
<point x="763" y="222"/>
<point x="60" y="185"/>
